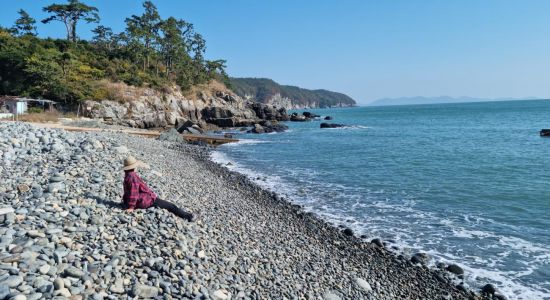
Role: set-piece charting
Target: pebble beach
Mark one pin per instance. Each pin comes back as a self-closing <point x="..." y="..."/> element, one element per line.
<point x="64" y="235"/>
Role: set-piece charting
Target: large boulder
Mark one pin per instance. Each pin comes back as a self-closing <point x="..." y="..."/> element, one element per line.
<point x="331" y="125"/>
<point x="257" y="129"/>
<point x="455" y="269"/>
<point x="310" y="115"/>
<point x="171" y="135"/>
<point x="268" y="127"/>
<point x="295" y="117"/>
<point x="268" y="112"/>
<point x="183" y="124"/>
<point x="277" y="128"/>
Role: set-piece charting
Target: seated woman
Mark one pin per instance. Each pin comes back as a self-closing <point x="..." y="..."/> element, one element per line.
<point x="138" y="195"/>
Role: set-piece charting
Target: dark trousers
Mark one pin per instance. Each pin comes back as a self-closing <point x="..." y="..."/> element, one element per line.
<point x="171" y="207"/>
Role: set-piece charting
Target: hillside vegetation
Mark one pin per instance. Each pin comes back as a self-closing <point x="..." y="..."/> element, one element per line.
<point x="264" y="90"/>
<point x="152" y="52"/>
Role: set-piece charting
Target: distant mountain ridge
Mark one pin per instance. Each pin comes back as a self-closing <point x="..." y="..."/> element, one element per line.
<point x="291" y="97"/>
<point x="440" y="99"/>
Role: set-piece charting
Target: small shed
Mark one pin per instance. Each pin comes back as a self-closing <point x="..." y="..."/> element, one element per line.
<point x="17" y="107"/>
<point x="20" y="105"/>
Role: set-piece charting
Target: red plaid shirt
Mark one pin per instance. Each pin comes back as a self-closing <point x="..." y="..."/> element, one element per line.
<point x="136" y="193"/>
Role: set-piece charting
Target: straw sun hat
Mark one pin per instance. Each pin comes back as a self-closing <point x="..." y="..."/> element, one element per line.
<point x="130" y="163"/>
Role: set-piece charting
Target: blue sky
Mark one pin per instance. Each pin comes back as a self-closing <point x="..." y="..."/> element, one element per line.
<point x="366" y="49"/>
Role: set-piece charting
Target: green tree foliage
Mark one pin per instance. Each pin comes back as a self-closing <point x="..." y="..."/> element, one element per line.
<point x="24" y="25"/>
<point x="70" y="14"/>
<point x="143" y="31"/>
<point x="151" y="51"/>
<point x="104" y="37"/>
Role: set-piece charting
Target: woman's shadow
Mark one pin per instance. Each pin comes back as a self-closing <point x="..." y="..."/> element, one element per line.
<point x="110" y="203"/>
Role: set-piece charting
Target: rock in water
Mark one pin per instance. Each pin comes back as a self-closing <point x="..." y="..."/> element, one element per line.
<point x="257" y="129"/>
<point x="488" y="289"/>
<point x="455" y="269"/>
<point x="378" y="242"/>
<point x="420" y="258"/>
<point x="295" y="117"/>
<point x="331" y="125"/>
<point x="310" y="115"/>
<point x="348" y="232"/>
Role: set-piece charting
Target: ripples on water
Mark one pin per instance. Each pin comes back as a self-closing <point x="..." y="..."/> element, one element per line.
<point x="467" y="183"/>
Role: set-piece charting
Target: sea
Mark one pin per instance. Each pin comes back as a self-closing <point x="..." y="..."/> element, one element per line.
<point x="466" y="183"/>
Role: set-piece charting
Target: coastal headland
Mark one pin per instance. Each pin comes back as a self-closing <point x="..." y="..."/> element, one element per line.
<point x="67" y="236"/>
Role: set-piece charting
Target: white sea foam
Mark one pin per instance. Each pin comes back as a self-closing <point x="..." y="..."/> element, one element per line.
<point x="245" y="142"/>
<point x="349" y="127"/>
<point x="272" y="183"/>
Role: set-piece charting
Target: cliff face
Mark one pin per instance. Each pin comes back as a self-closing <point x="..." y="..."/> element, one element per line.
<point x="280" y="101"/>
<point x="290" y="97"/>
<point x="149" y="108"/>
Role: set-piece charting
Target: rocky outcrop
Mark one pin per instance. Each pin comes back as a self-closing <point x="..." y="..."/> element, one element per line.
<point x="310" y="115"/>
<point x="267" y="126"/>
<point x="331" y="125"/>
<point x="148" y="108"/>
<point x="270" y="112"/>
<point x="280" y="101"/>
<point x="305" y="116"/>
<point x="295" y="117"/>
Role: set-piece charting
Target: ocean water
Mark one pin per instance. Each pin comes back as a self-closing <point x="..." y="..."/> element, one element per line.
<point x="466" y="183"/>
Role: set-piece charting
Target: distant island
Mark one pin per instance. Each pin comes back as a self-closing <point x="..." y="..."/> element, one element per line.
<point x="440" y="99"/>
<point x="291" y="97"/>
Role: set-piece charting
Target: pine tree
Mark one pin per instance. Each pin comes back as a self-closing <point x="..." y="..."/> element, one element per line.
<point x="70" y="14"/>
<point x="24" y="25"/>
<point x="144" y="30"/>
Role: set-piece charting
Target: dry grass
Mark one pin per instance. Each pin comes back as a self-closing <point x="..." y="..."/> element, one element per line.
<point x="209" y="89"/>
<point x="43" y="117"/>
<point x="115" y="91"/>
<point x="121" y="92"/>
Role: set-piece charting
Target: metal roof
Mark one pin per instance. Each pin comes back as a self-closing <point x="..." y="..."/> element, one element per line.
<point x="23" y="99"/>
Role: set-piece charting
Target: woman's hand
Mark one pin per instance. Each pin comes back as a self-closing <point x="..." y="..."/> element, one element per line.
<point x="129" y="210"/>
